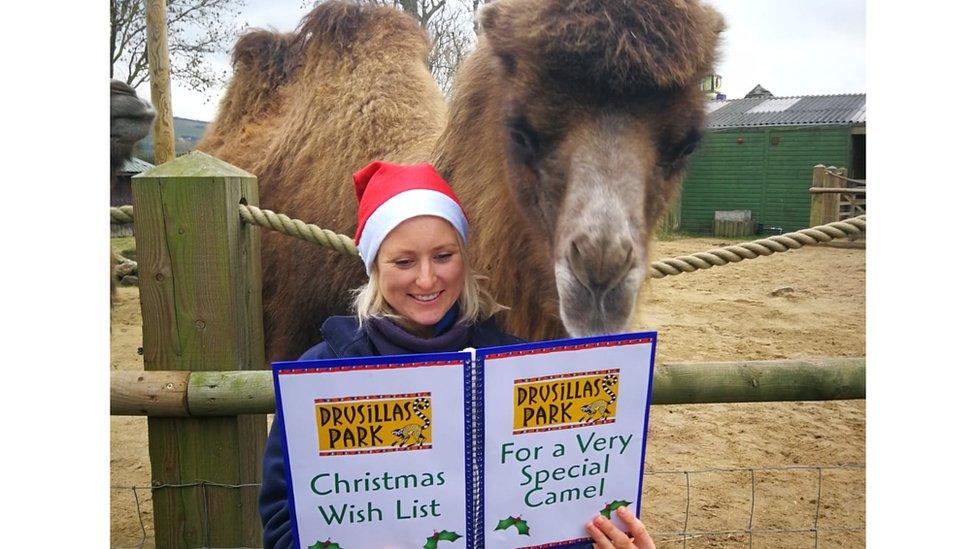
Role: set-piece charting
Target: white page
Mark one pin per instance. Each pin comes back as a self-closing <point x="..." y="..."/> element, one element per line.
<point x="374" y="516"/>
<point x="605" y="452"/>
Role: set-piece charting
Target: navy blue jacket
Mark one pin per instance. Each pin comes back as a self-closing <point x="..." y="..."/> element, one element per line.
<point x="342" y="338"/>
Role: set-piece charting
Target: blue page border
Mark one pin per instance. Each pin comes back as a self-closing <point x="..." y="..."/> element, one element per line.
<point x="391" y="360"/>
<point x="488" y="352"/>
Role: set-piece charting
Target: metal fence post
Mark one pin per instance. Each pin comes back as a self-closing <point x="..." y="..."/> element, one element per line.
<point x="200" y="292"/>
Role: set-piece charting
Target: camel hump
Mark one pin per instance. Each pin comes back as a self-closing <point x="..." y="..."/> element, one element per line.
<point x="625" y="46"/>
<point x="340" y="24"/>
<point x="264" y="52"/>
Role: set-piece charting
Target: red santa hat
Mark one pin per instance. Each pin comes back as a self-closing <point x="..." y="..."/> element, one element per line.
<point x="390" y="194"/>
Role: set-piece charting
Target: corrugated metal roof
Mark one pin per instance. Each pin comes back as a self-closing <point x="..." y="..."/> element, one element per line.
<point x="808" y="110"/>
<point x="135" y="165"/>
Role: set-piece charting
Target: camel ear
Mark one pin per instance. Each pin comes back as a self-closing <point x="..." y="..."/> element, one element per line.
<point x="492" y="26"/>
<point x="487" y="17"/>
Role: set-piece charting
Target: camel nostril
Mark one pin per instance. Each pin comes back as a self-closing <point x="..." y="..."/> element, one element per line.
<point x="577" y="263"/>
<point x="600" y="264"/>
<point x="629" y="260"/>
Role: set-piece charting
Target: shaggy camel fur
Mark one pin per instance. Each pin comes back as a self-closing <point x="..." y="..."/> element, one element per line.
<point x="566" y="137"/>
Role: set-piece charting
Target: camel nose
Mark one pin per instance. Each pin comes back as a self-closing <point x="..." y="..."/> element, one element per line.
<point x="601" y="262"/>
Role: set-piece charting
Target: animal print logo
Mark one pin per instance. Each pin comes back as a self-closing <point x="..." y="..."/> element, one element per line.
<point x="565" y="401"/>
<point x="413" y="433"/>
<point x="601" y="407"/>
<point x="374" y="424"/>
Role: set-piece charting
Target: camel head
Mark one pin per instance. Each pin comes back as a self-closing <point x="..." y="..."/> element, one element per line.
<point x="600" y="107"/>
<point x="131" y="120"/>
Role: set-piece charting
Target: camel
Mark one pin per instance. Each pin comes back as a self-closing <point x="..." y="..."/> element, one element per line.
<point x="131" y="120"/>
<point x="566" y="136"/>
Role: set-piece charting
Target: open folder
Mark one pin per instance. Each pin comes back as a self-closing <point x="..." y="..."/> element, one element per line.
<point x="513" y="446"/>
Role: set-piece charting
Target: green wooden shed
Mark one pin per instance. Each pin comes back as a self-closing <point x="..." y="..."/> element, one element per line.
<point x="758" y="154"/>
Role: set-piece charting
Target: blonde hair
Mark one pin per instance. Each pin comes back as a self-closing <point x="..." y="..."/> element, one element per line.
<point x="475" y="302"/>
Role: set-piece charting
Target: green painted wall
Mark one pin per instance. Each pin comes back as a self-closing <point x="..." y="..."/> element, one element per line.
<point x="771" y="180"/>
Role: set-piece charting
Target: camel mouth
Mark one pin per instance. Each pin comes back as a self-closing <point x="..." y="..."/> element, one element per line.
<point x="588" y="312"/>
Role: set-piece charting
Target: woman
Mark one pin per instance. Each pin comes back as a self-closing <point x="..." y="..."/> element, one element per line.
<point x="420" y="297"/>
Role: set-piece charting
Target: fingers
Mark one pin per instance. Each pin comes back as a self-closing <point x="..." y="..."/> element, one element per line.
<point x="606" y="535"/>
<point x="641" y="538"/>
<point x="600" y="541"/>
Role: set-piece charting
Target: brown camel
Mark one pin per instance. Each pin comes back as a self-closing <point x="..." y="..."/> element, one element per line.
<point x="567" y="134"/>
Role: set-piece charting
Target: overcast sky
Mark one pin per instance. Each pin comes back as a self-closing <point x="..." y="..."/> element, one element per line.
<point x="791" y="47"/>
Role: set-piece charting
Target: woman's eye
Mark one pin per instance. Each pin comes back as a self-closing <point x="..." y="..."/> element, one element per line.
<point x="444" y="258"/>
<point x="403" y="263"/>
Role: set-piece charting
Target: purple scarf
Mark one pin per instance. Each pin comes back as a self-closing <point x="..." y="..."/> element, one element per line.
<point x="391" y="339"/>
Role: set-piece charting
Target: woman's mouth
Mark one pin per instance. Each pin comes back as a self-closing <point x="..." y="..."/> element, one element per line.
<point x="426" y="298"/>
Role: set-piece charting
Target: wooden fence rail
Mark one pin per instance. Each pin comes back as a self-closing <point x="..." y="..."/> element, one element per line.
<point x="830" y="197"/>
<point x="228" y="393"/>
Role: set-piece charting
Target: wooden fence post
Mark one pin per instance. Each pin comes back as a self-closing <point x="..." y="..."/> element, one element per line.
<point x="843" y="201"/>
<point x="200" y="291"/>
<point x="817" y="199"/>
<point x="831" y="203"/>
<point x="157" y="53"/>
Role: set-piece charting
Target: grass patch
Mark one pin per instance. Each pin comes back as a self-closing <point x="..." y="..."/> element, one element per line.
<point x="124" y="245"/>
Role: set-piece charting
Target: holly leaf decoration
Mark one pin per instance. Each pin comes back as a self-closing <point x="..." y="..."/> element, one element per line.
<point x="505" y="523"/>
<point x="447" y="535"/>
<point x="519" y="524"/>
<point x="327" y="544"/>
<point x="443" y="535"/>
<point x="613" y="505"/>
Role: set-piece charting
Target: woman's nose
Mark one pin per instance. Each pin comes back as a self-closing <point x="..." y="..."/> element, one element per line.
<point x="426" y="276"/>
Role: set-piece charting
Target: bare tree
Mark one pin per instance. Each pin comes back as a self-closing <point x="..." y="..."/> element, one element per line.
<point x="196" y="28"/>
<point x="450" y="26"/>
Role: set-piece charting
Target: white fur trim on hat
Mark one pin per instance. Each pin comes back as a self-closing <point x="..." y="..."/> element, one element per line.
<point x="401" y="207"/>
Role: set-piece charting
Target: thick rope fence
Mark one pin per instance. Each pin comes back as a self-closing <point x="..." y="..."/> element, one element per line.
<point x="666" y="491"/>
<point x="849" y="228"/>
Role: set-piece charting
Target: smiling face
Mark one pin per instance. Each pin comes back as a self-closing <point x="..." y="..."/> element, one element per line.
<point x="420" y="271"/>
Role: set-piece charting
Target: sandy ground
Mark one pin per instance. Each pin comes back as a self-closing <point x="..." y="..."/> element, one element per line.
<point x="725" y="313"/>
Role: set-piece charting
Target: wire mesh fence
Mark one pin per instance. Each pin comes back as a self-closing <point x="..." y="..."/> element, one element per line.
<point x="202" y="490"/>
<point x="799" y="506"/>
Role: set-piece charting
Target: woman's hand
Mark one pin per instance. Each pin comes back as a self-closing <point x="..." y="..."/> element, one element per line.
<point x="607" y="536"/>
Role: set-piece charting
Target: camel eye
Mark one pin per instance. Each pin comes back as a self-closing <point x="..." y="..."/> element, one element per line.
<point x="689" y="144"/>
<point x="519" y="139"/>
<point x="523" y="142"/>
<point x="682" y="149"/>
